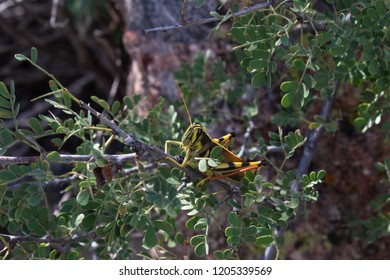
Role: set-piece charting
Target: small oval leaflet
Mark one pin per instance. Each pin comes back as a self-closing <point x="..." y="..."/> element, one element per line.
<point x="150" y="239"/>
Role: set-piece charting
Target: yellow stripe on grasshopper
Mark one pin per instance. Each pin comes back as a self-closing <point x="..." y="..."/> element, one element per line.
<point x="227" y="138"/>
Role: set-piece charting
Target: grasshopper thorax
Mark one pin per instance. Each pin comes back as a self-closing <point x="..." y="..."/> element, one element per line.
<point x="192" y="134"/>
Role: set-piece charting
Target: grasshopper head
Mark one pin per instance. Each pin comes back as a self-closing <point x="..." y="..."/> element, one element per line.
<point x="192" y="134"/>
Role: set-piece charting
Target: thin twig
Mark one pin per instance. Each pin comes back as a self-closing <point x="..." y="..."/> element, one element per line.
<point x="246" y="137"/>
<point x="53" y="16"/>
<point x="116" y="159"/>
<point x="47" y="239"/>
<point x="183" y="11"/>
<point x="209" y="20"/>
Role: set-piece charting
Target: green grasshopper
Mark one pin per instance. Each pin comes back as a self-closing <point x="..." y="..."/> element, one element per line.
<point x="196" y="143"/>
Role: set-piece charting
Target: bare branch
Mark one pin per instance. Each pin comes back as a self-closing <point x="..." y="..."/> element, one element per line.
<point x="116" y="159"/>
<point x="246" y="137"/>
<point x="209" y="20"/>
<point x="47" y="239"/>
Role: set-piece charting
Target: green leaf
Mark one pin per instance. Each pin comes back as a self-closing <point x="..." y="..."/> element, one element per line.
<point x="381" y="8"/>
<point x="234" y="219"/>
<point x="287" y="99"/>
<point x="197" y="239"/>
<point x="360" y="122"/>
<point x="201" y="224"/>
<point x="299" y="64"/>
<point x="5" y="103"/>
<point x="6" y="136"/>
<point x="233" y="240"/>
<point x="103" y="103"/>
<point x="83" y="197"/>
<point x="35" y="125"/>
<point x="88" y="222"/>
<point x="309" y="80"/>
<point x="180" y="238"/>
<point x="202" y="165"/>
<point x="35" y="200"/>
<point x="216" y="15"/>
<point x="67" y="100"/>
<point x="264" y="241"/>
<point x="233" y="231"/>
<point x="18" y="170"/>
<point x="4" y="91"/>
<point x="219" y="254"/>
<point x="20" y="57"/>
<point x="72" y="256"/>
<point x="136" y="99"/>
<point x="277" y="27"/>
<point x="199" y="3"/>
<point x="32" y="225"/>
<point x="251" y="230"/>
<point x="34" y="54"/>
<point x="5" y="114"/>
<point x="289" y="86"/>
<point x="373" y="67"/>
<point x="115" y="107"/>
<point x="53" y="85"/>
<point x="152" y="196"/>
<point x="127" y="102"/>
<point x="373" y="14"/>
<point x="43" y="250"/>
<point x="251" y="32"/>
<point x="7" y="176"/>
<point x="163" y="225"/>
<point x="52" y="255"/>
<point x="192" y="222"/>
<point x="261" y="55"/>
<point x="324" y="37"/>
<point x="201" y="249"/>
<point x="293" y="203"/>
<point x="238" y="34"/>
<point x="259" y="79"/>
<point x="313" y="176"/>
<point x="321" y="174"/>
<point x="79" y="219"/>
<point x="150" y="238"/>
<point x="171" y="210"/>
<point x="53" y="157"/>
<point x="216" y="151"/>
<point x="258" y="64"/>
<point x="212" y="163"/>
<point x="249" y="238"/>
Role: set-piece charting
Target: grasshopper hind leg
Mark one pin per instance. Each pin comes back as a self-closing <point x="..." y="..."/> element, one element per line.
<point x="225" y="140"/>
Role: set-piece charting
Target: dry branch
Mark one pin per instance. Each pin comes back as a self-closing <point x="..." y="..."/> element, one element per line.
<point x="209" y="20"/>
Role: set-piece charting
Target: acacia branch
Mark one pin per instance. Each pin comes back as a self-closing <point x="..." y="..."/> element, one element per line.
<point x="145" y="151"/>
<point x="209" y="20"/>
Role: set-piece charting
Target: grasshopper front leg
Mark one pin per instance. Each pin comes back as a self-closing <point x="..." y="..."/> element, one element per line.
<point x="186" y="158"/>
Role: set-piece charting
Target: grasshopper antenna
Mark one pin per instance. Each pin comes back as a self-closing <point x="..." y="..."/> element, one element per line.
<point x="185" y="103"/>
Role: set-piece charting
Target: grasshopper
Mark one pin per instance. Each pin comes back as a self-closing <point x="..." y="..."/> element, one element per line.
<point x="196" y="143"/>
